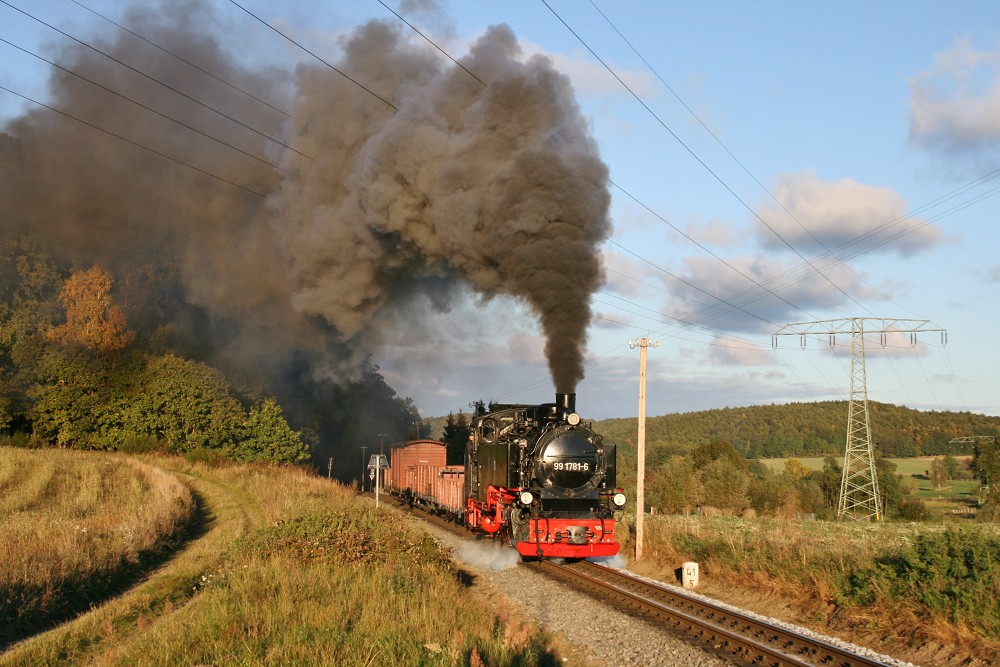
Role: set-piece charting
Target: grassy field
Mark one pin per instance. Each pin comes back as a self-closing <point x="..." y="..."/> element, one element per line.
<point x="287" y="568"/>
<point x="913" y="584"/>
<point x="954" y="500"/>
<point x="284" y="567"/>
<point x="77" y="529"/>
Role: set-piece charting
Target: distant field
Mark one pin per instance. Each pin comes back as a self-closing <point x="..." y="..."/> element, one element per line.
<point x="813" y="463"/>
<point x="914" y="466"/>
<point x="955" y="495"/>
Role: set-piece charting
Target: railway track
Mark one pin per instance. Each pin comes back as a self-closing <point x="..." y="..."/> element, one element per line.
<point x="736" y="636"/>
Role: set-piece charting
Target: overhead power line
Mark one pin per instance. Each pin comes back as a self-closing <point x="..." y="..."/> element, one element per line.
<point x="134" y="143"/>
<point x="707" y="250"/>
<point x="317" y="57"/>
<point x="141" y="105"/>
<point x="182" y="59"/>
<point x="155" y="80"/>
<point x="719" y="141"/>
<point x="690" y="284"/>
<point x="696" y="156"/>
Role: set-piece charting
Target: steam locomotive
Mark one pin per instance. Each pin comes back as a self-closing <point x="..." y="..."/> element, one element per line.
<point x="534" y="476"/>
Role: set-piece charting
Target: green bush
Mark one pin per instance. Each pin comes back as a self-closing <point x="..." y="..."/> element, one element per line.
<point x="210" y="457"/>
<point x="954" y="574"/>
<point x="21" y="440"/>
<point x="137" y="402"/>
<point x="142" y="444"/>
<point x="913" y="509"/>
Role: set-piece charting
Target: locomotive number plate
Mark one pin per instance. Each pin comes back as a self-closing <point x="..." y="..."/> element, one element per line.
<point x="572" y="466"/>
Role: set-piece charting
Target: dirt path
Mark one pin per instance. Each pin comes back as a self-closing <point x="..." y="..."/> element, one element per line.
<point x="96" y="636"/>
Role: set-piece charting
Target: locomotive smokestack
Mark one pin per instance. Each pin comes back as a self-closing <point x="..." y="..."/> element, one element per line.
<point x="566" y="403"/>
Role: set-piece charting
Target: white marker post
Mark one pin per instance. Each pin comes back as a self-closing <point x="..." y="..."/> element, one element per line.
<point x="376" y="465"/>
<point x="689" y="575"/>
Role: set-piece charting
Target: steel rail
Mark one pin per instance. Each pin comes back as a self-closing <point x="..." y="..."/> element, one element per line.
<point x="740" y="637"/>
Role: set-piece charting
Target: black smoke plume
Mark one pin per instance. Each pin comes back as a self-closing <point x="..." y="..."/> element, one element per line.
<point x="490" y="181"/>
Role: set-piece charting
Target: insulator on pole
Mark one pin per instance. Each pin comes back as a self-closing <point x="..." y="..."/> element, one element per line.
<point x="833" y="340"/>
<point x="802" y="341"/>
<point x="882" y="339"/>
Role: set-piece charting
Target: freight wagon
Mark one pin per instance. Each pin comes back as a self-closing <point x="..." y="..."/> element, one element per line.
<point x="419" y="475"/>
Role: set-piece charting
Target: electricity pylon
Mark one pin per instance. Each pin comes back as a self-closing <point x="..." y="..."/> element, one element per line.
<point x="859" y="494"/>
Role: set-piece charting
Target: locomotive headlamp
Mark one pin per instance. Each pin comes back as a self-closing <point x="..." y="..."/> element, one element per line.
<point x="573" y="419"/>
<point x="618" y="499"/>
<point x="527" y="498"/>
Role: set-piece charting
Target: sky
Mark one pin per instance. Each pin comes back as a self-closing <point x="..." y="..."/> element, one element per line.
<point x="771" y="164"/>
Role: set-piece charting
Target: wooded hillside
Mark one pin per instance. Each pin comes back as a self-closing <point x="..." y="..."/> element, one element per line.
<point x="804" y="429"/>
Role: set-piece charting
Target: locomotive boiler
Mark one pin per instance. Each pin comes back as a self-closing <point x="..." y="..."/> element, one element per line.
<point x="538" y="477"/>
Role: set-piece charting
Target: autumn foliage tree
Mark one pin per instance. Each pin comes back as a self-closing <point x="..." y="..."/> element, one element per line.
<point x="93" y="319"/>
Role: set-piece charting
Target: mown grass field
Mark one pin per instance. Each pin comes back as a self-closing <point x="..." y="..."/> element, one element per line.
<point x="285" y="568"/>
<point x="77" y="529"/>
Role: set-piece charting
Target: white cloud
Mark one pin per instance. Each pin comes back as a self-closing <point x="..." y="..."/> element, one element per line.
<point x="725" y="351"/>
<point x="796" y="291"/>
<point x="591" y="78"/>
<point x="845" y="217"/>
<point x="955" y="104"/>
<point x="992" y="274"/>
<point x="627" y="277"/>
<point x="714" y="232"/>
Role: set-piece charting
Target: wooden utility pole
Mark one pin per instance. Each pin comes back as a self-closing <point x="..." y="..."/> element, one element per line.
<point x="640" y="479"/>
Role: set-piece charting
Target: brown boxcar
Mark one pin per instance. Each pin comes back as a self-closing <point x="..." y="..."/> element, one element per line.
<point x="417" y="468"/>
<point x="405" y="457"/>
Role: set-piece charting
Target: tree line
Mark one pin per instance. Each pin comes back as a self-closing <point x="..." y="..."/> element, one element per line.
<point x="716" y="476"/>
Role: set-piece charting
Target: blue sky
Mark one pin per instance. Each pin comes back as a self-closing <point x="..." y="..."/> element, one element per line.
<point x="760" y="143"/>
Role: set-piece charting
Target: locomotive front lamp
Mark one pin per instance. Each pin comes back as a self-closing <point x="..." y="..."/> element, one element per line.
<point x="619" y="499"/>
<point x="573" y="419"/>
<point x="527" y="498"/>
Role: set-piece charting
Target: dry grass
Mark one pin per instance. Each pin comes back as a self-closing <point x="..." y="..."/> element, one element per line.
<point x="75" y="527"/>
<point x="815" y="566"/>
<point x="292" y="569"/>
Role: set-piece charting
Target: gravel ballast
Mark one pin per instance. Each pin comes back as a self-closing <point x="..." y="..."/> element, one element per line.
<point x="589" y="632"/>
